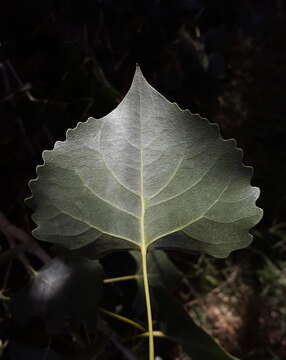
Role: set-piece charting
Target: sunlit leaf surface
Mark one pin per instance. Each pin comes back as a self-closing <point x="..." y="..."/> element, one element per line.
<point x="146" y="175"/>
<point x="141" y="173"/>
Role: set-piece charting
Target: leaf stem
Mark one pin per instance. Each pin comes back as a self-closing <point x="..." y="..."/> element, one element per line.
<point x="148" y="302"/>
<point x="121" y="318"/>
<point x="159" y="334"/>
<point x="122" y="278"/>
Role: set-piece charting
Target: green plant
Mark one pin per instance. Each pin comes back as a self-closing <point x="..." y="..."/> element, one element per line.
<point x="147" y="176"/>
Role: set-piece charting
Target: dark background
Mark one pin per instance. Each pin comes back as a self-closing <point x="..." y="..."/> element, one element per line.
<point x="62" y="61"/>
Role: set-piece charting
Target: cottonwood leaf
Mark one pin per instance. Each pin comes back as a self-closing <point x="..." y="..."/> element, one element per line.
<point x="141" y="173"/>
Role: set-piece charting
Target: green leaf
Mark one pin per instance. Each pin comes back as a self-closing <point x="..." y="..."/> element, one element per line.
<point x="67" y="288"/>
<point x="141" y="173"/>
<point x="176" y="323"/>
<point x="138" y="175"/>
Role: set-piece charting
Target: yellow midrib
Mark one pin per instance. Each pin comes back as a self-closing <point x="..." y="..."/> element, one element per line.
<point x="142" y="227"/>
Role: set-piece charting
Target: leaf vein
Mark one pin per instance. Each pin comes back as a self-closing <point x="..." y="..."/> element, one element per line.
<point x="101" y="198"/>
<point x="171" y="177"/>
<point x="188" y="188"/>
<point x="192" y="221"/>
<point x="95" y="227"/>
<point x="110" y="171"/>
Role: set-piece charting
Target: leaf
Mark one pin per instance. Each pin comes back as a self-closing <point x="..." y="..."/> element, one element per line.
<point x="67" y="288"/>
<point x="141" y="173"/>
<point x="173" y="320"/>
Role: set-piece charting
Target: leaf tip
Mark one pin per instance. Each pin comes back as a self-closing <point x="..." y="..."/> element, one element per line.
<point x="138" y="73"/>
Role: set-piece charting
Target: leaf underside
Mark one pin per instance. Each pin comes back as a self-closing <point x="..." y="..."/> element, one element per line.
<point x="141" y="173"/>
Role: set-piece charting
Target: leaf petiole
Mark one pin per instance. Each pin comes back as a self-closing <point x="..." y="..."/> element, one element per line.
<point x="122" y="278"/>
<point x="148" y="302"/>
<point x="158" y="334"/>
<point x="121" y="318"/>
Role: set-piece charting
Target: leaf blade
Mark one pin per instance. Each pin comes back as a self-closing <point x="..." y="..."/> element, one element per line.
<point x="145" y="171"/>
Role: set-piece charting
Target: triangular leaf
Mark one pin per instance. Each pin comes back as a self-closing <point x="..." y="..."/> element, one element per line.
<point x="141" y="173"/>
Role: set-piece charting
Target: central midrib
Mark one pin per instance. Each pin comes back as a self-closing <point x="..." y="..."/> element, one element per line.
<point x="142" y="227"/>
<point x="142" y="219"/>
<point x="143" y="244"/>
